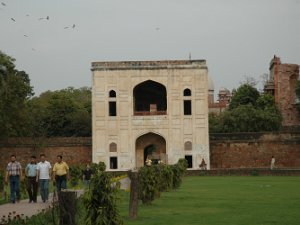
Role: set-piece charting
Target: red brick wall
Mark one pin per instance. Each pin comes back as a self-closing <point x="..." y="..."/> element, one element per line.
<point x="74" y="150"/>
<point x="254" y="150"/>
<point x="241" y="150"/>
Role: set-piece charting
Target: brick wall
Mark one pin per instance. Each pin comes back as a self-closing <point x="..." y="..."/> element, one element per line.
<point x="240" y="150"/>
<point x="73" y="150"/>
<point x="254" y="150"/>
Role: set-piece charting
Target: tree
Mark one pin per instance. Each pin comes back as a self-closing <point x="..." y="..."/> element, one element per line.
<point x="245" y="94"/>
<point x="15" y="89"/>
<point x="66" y="112"/>
<point x="249" y="112"/>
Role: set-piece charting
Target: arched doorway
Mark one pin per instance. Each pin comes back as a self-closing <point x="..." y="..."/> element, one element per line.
<point x="152" y="146"/>
<point x="150" y="98"/>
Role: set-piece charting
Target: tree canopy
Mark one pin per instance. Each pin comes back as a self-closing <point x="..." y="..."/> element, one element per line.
<point x="66" y="112"/>
<point x="245" y="94"/>
<point x="248" y="112"/>
<point x="15" y="90"/>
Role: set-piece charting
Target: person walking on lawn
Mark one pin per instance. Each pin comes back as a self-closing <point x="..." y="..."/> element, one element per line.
<point x="14" y="173"/>
<point x="43" y="176"/>
<point x="32" y="184"/>
<point x="60" y="174"/>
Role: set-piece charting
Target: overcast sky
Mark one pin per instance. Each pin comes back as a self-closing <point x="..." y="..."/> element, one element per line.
<point x="238" y="38"/>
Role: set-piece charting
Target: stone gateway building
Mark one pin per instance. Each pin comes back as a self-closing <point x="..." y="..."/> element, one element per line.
<point x="154" y="110"/>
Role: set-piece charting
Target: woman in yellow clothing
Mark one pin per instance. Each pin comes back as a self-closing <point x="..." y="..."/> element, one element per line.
<point x="60" y="173"/>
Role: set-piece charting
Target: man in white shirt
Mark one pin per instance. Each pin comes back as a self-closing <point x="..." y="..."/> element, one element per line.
<point x="43" y="176"/>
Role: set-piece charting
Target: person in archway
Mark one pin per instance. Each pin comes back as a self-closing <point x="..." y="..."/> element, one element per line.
<point x="148" y="162"/>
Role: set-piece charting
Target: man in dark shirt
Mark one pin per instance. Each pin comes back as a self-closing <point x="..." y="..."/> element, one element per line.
<point x="87" y="175"/>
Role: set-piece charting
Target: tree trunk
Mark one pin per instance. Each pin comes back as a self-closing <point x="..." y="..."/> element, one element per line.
<point x="67" y="207"/>
<point x="133" y="204"/>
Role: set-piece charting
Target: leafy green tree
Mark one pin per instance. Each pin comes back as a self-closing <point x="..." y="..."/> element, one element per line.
<point x="66" y="112"/>
<point x="245" y="94"/>
<point x="15" y="89"/>
<point x="253" y="113"/>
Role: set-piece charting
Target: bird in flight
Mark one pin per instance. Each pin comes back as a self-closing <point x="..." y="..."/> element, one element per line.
<point x="47" y="18"/>
<point x="2" y="3"/>
<point x="73" y="26"/>
<point x="13" y="19"/>
<point x="25" y="35"/>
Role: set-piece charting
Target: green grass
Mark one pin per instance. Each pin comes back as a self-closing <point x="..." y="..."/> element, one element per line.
<point x="224" y="200"/>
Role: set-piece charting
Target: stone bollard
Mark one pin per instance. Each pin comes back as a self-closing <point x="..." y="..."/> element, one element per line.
<point x="67" y="207"/>
<point x="133" y="202"/>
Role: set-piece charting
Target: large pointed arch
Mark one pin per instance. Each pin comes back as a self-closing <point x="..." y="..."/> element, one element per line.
<point x="150" y="98"/>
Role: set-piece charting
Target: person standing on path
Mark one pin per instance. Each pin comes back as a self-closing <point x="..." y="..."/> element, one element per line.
<point x="60" y="173"/>
<point x="272" y="163"/>
<point x="14" y="173"/>
<point x="32" y="184"/>
<point x="43" y="176"/>
<point x="87" y="175"/>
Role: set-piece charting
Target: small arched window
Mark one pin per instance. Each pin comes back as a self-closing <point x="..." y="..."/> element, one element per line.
<point x="112" y="94"/>
<point x="188" y="146"/>
<point x="113" y="147"/>
<point x="187" y="92"/>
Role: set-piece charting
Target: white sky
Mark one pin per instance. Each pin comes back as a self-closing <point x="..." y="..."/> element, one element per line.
<point x="238" y="38"/>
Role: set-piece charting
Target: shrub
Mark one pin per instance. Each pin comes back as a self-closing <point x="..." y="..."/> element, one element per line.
<point x="165" y="176"/>
<point x="178" y="171"/>
<point x="148" y="184"/>
<point x="75" y="174"/>
<point x="100" y="199"/>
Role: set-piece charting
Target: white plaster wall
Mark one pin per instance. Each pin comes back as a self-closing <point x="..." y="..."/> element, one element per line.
<point x="175" y="127"/>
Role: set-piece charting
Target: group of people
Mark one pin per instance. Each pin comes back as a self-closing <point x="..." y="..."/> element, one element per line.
<point x="37" y="174"/>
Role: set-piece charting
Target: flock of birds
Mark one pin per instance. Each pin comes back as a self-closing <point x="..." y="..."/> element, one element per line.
<point x="3" y="4"/>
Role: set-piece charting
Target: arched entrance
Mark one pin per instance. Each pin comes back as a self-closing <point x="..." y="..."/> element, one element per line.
<point x="150" y="98"/>
<point x="152" y="146"/>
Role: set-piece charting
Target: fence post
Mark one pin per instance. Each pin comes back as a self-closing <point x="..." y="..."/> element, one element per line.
<point x="67" y="207"/>
<point x="133" y="203"/>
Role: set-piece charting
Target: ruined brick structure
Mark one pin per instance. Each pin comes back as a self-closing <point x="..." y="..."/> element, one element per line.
<point x="282" y="83"/>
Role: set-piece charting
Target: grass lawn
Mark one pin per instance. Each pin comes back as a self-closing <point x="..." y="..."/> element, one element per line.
<point x="223" y="200"/>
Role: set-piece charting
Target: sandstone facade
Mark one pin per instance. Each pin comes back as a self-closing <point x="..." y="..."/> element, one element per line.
<point x="150" y="109"/>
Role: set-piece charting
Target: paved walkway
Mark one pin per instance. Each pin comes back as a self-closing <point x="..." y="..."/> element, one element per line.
<point x="23" y="207"/>
<point x="30" y="209"/>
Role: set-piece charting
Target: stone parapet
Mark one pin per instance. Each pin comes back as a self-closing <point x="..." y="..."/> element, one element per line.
<point x="164" y="64"/>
